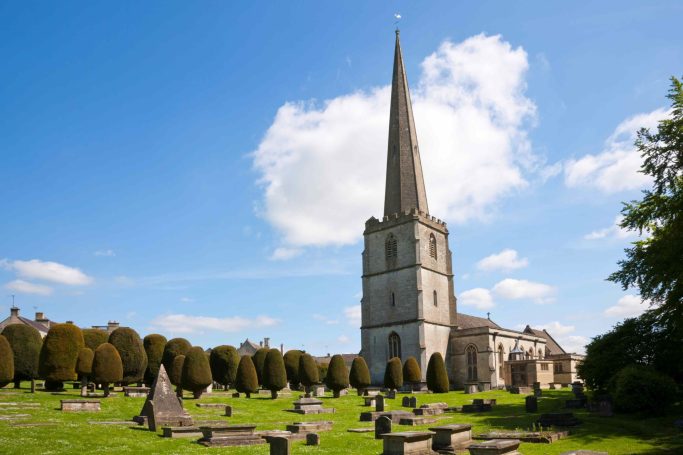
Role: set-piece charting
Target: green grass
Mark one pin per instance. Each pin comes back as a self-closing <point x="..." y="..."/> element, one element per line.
<point x="69" y="433"/>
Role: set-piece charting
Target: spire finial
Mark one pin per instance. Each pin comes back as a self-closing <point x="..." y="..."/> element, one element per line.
<point x="397" y="16"/>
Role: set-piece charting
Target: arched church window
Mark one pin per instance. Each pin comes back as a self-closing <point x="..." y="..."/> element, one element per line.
<point x="390" y="247"/>
<point x="471" y="354"/>
<point x="394" y="345"/>
<point x="540" y="353"/>
<point x="436" y="301"/>
<point x="530" y="354"/>
<point x="501" y="360"/>
<point x="432" y="246"/>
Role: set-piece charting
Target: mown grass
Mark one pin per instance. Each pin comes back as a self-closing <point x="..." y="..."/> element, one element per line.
<point x="46" y="430"/>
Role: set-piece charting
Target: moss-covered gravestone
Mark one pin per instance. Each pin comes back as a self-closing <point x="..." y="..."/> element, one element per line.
<point x="162" y="407"/>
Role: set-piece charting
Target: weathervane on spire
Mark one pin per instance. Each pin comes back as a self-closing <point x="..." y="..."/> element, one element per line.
<point x="397" y="16"/>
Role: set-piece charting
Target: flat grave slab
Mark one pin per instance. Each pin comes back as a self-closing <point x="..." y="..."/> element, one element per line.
<point x="416" y="420"/>
<point x="136" y="392"/>
<point x="408" y="443"/>
<point x="395" y="416"/>
<point x="309" y="427"/>
<point x="360" y="430"/>
<point x="545" y="437"/>
<point x="211" y="405"/>
<point x="495" y="447"/>
<point x="229" y="435"/>
<point x="80" y="405"/>
<point x="451" y="438"/>
<point x="181" y="432"/>
<point x="310" y="406"/>
<point x="558" y="419"/>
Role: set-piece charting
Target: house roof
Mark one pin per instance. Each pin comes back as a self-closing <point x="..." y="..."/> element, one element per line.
<point x="250" y="343"/>
<point x="36" y="325"/>
<point x="466" y="321"/>
<point x="550" y="342"/>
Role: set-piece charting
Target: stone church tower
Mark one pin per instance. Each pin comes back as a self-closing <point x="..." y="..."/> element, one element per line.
<point x="408" y="304"/>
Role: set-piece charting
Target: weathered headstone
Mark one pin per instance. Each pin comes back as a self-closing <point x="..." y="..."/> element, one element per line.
<point x="382" y="426"/>
<point x="408" y="442"/>
<point x="531" y="403"/>
<point x="379" y="403"/>
<point x="391" y="394"/>
<point x="162" y="407"/>
<point x="412" y="402"/>
<point x="451" y="438"/>
<point x="228" y="411"/>
<point x="279" y="445"/>
<point x="236" y="395"/>
<point x="312" y="439"/>
<point x="405" y="402"/>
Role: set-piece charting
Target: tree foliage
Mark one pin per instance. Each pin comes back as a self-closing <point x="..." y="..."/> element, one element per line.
<point x="259" y="359"/>
<point x="132" y="352"/>
<point x="437" y="376"/>
<point x="196" y="372"/>
<point x="654" y="263"/>
<point x="26" y="343"/>
<point x="224" y="361"/>
<point x="154" y="348"/>
<point x="95" y="337"/>
<point x="337" y="378"/>
<point x="359" y="378"/>
<point x="174" y="348"/>
<point x="393" y="374"/>
<point x="6" y="362"/>
<point x="176" y="374"/>
<point x="59" y="353"/>
<point x="84" y="362"/>
<point x="309" y="375"/>
<point x="247" y="380"/>
<point x="292" y="359"/>
<point x="274" y="372"/>
<point x="411" y="371"/>
<point x="638" y="388"/>
<point x="107" y="367"/>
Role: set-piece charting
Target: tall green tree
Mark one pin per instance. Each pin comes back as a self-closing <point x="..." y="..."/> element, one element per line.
<point x="154" y="347"/>
<point x="196" y="372"/>
<point x="393" y="374"/>
<point x="59" y="354"/>
<point x="174" y="348"/>
<point x="309" y="375"/>
<point x="654" y="264"/>
<point x="93" y="338"/>
<point x="411" y="371"/>
<point x="337" y="378"/>
<point x="437" y="376"/>
<point x="107" y="367"/>
<point x="6" y="362"/>
<point x="247" y="381"/>
<point x="360" y="375"/>
<point x="25" y="342"/>
<point x="292" y="359"/>
<point x="224" y="361"/>
<point x="274" y="372"/>
<point x="259" y="359"/>
<point x="132" y="352"/>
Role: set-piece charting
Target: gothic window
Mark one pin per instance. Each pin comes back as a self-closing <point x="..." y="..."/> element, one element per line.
<point x="471" y="354"/>
<point x="432" y="246"/>
<point x="394" y="345"/>
<point x="390" y="247"/>
<point x="540" y="353"/>
<point x="530" y="354"/>
<point x="501" y="360"/>
<point x="436" y="301"/>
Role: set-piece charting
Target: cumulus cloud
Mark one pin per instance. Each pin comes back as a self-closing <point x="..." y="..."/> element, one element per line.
<point x="353" y="315"/>
<point x="616" y="167"/>
<point x="504" y="261"/>
<point x="478" y="298"/>
<point x="612" y="232"/>
<point x="181" y="323"/>
<point x="556" y="329"/>
<point x="574" y="343"/>
<point x="511" y="288"/>
<point x="562" y="334"/>
<point x="47" y="271"/>
<point x="628" y="306"/>
<point x="322" y="165"/>
<point x="25" y="287"/>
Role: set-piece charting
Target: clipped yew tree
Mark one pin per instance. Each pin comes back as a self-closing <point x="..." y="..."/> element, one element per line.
<point x="132" y="352"/>
<point x="259" y="359"/>
<point x="224" y="361"/>
<point x="154" y="348"/>
<point x="437" y="376"/>
<point x="6" y="362"/>
<point x="93" y="338"/>
<point x="337" y="378"/>
<point x="247" y="380"/>
<point x="309" y="375"/>
<point x="411" y="371"/>
<point x="359" y="378"/>
<point x="176" y="374"/>
<point x="196" y="376"/>
<point x="59" y="354"/>
<point x="274" y="372"/>
<point x="292" y="358"/>
<point x="26" y="343"/>
<point x="174" y="348"/>
<point x="393" y="374"/>
<point x="84" y="367"/>
<point x="107" y="367"/>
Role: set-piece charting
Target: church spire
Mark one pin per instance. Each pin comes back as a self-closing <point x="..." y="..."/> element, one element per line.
<point x="405" y="188"/>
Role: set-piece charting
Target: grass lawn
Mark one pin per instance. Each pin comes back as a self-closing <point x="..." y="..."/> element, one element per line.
<point x="46" y="430"/>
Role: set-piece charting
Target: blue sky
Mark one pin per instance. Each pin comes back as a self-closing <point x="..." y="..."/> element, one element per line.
<point x="205" y="169"/>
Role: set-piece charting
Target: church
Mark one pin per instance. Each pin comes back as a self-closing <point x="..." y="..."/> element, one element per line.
<point x="409" y="307"/>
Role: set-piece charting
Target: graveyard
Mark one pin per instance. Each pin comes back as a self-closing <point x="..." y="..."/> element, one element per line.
<point x="33" y="423"/>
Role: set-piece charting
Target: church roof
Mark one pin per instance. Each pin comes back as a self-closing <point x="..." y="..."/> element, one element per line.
<point x="550" y="342"/>
<point x="466" y="321"/>
<point x="405" y="188"/>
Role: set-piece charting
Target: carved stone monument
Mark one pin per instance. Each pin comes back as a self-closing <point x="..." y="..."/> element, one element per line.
<point x="163" y="407"/>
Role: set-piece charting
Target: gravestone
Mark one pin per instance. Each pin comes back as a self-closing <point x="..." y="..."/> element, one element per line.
<point x="412" y="402"/>
<point x="451" y="438"/>
<point x="408" y="443"/>
<point x="236" y="395"/>
<point x="379" y="403"/>
<point x="391" y="394"/>
<point x="531" y="403"/>
<point x="495" y="447"/>
<point x="162" y="407"/>
<point x="80" y="405"/>
<point x="279" y="445"/>
<point x="135" y="392"/>
<point x="312" y="439"/>
<point x="228" y="411"/>
<point x="405" y="402"/>
<point x="382" y="426"/>
<point x="310" y="406"/>
<point x="537" y="389"/>
<point x="370" y="400"/>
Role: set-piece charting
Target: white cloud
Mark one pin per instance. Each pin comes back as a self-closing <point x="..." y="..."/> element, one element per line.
<point x="353" y="315"/>
<point x="108" y="253"/>
<point x="574" y="343"/>
<point x="556" y="329"/>
<point x="616" y="167"/>
<point x="325" y="319"/>
<point x="479" y="298"/>
<point x="25" y="287"/>
<point x="181" y="323"/>
<point x="283" y="253"/>
<point x="505" y="261"/>
<point x="561" y="334"/>
<point x="511" y="288"/>
<point x="186" y="299"/>
<point x="47" y="271"/>
<point x="627" y="307"/>
<point x="612" y="232"/>
<point x="343" y="339"/>
<point x="322" y="166"/>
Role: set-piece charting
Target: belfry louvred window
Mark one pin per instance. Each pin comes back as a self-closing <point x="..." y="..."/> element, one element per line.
<point x="391" y="247"/>
<point x="432" y="246"/>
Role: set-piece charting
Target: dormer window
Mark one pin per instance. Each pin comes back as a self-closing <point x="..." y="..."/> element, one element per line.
<point x="432" y="246"/>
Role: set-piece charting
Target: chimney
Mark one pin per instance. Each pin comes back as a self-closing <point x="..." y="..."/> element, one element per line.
<point x="14" y="312"/>
<point x="260" y="343"/>
<point x="112" y="325"/>
<point x="282" y="348"/>
<point x="39" y="316"/>
<point x="69" y="322"/>
<point x="266" y="342"/>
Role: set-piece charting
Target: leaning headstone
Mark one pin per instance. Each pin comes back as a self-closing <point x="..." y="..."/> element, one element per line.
<point x="382" y="426"/>
<point x="163" y="407"/>
<point x="379" y="403"/>
<point x="531" y="403"/>
<point x="312" y="439"/>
